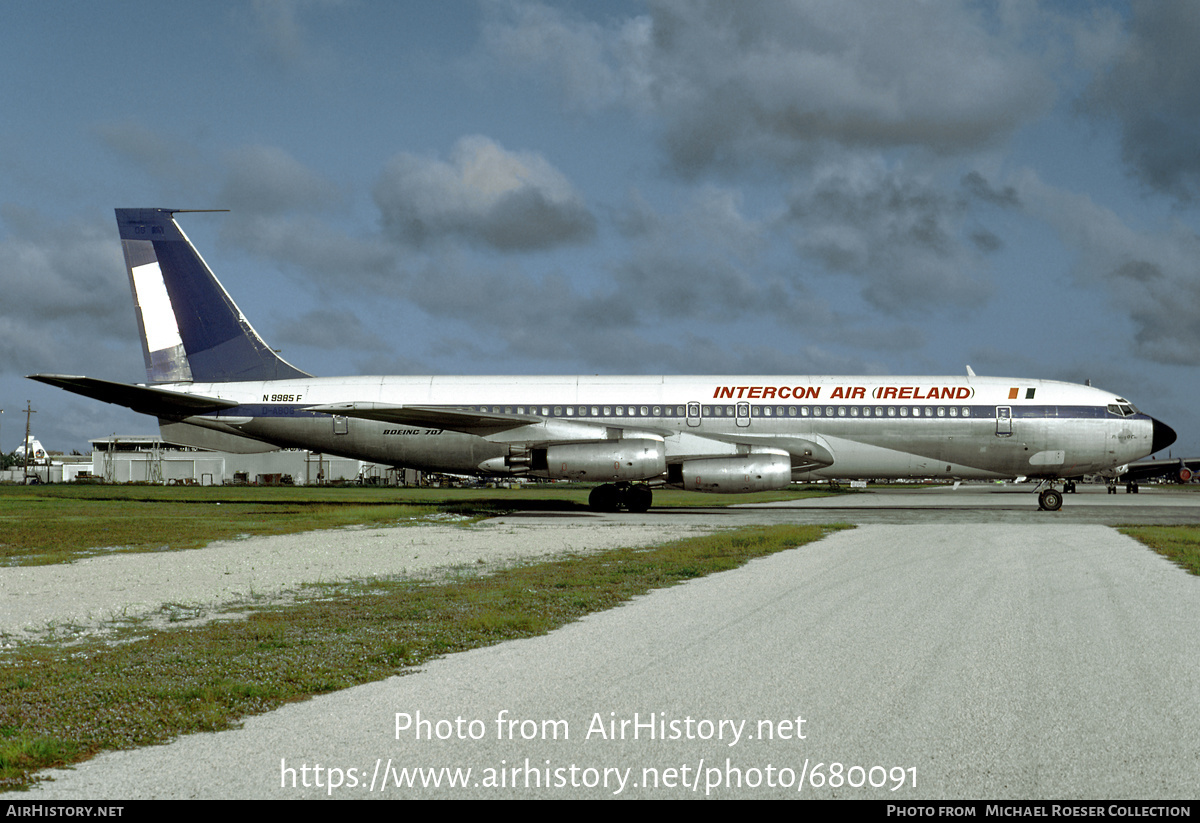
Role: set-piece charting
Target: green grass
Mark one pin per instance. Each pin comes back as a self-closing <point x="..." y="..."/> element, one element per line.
<point x="1180" y="544"/>
<point x="58" y="524"/>
<point x="59" y="705"/>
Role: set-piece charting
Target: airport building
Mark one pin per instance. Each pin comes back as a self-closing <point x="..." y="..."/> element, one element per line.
<point x="147" y="459"/>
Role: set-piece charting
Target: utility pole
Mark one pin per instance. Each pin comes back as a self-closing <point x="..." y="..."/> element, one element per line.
<point x="28" y="411"/>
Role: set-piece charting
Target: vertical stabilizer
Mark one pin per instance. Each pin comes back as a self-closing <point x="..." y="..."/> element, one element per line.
<point x="191" y="329"/>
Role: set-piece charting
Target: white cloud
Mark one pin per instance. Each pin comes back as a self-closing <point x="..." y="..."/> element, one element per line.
<point x="484" y="194"/>
<point x="167" y="158"/>
<point x="286" y="36"/>
<point x="268" y="180"/>
<point x="1151" y="277"/>
<point x="593" y="65"/>
<point x="1150" y="91"/>
<point x="902" y="235"/>
<point x="65" y="295"/>
<point x="736" y="84"/>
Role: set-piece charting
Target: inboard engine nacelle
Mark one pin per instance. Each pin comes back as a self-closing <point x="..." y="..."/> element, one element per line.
<point x="733" y="475"/>
<point x="608" y="460"/>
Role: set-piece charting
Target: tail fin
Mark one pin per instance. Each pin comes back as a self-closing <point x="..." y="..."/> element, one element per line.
<point x="191" y="328"/>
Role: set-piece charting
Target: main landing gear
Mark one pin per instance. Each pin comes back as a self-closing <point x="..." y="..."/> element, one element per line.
<point x="1131" y="486"/>
<point x="612" y="497"/>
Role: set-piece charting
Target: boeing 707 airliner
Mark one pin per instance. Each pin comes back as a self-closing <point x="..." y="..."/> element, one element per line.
<point x="214" y="383"/>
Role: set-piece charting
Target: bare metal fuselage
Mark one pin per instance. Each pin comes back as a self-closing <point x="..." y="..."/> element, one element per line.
<point x="843" y="427"/>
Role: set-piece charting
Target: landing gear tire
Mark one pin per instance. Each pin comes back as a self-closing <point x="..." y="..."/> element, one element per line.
<point x="1131" y="487"/>
<point x="604" y="498"/>
<point x="610" y="498"/>
<point x="1069" y="487"/>
<point x="638" y="499"/>
<point x="1050" y="500"/>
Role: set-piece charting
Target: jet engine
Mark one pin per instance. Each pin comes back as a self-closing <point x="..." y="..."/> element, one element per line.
<point x="607" y="460"/>
<point x="733" y="475"/>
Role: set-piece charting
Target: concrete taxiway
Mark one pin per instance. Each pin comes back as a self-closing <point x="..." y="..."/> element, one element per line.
<point x="982" y="503"/>
<point x="942" y="649"/>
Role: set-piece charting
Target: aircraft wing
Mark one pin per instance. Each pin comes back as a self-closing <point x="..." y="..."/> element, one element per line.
<point x="535" y="430"/>
<point x="481" y="424"/>
<point x="806" y="453"/>
<point x="501" y="427"/>
<point x="144" y="399"/>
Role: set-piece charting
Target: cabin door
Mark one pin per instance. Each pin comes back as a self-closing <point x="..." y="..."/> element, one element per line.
<point x="1004" y="421"/>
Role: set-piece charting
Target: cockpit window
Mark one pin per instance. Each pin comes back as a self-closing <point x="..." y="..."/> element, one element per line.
<point x="1123" y="408"/>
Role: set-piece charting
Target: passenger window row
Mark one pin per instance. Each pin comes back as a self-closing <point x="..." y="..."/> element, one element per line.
<point x="730" y="411"/>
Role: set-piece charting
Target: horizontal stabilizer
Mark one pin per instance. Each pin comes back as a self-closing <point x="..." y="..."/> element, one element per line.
<point x="157" y="402"/>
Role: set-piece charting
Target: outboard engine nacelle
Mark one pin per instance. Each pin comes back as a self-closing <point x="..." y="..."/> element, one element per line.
<point x="607" y="460"/>
<point x="733" y="475"/>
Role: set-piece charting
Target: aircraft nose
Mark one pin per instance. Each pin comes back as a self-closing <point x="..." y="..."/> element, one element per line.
<point x="1164" y="436"/>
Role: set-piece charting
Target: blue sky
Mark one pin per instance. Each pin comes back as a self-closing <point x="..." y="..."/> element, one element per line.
<point x="666" y="187"/>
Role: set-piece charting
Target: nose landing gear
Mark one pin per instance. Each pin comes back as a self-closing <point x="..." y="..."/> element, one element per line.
<point x="1050" y="499"/>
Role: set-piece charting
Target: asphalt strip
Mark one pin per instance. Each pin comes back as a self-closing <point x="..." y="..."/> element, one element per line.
<point x="886" y="662"/>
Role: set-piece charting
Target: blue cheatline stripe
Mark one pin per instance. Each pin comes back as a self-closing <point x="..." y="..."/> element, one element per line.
<point x="677" y="411"/>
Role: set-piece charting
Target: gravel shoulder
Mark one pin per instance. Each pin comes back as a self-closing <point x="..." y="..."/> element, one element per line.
<point x="1037" y="661"/>
<point x="102" y="593"/>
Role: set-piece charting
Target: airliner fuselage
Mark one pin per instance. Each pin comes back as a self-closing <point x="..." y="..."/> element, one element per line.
<point x="830" y="427"/>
